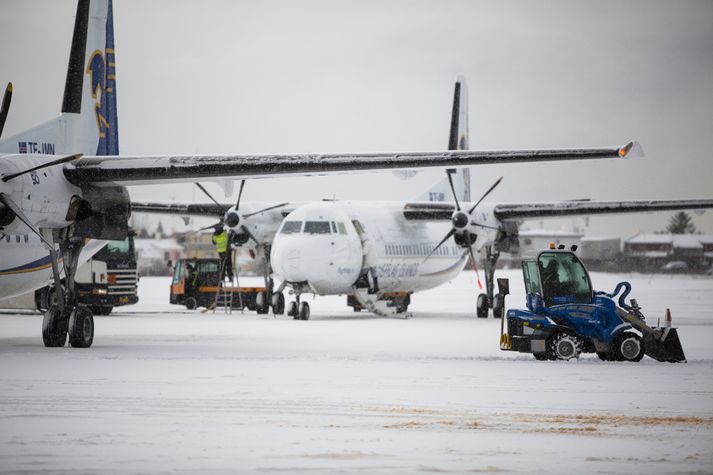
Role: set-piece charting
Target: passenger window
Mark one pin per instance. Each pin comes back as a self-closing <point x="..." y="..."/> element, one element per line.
<point x="317" y="227"/>
<point x="291" y="227"/>
<point x="17" y="238"/>
<point x="342" y="228"/>
<point x="26" y="238"/>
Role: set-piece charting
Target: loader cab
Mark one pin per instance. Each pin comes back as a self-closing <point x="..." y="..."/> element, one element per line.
<point x="556" y="278"/>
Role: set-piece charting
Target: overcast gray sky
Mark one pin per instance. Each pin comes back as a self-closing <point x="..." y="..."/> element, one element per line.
<point x="285" y="76"/>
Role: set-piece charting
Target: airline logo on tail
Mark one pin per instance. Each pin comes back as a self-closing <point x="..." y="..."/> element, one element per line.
<point x="101" y="69"/>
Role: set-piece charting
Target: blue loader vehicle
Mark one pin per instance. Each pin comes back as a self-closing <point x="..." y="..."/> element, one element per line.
<point x="566" y="317"/>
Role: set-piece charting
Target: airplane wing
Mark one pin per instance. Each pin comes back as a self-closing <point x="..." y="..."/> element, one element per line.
<point x="182" y="209"/>
<point x="136" y="170"/>
<point x="201" y="209"/>
<point x="424" y="211"/>
<point x="514" y="211"/>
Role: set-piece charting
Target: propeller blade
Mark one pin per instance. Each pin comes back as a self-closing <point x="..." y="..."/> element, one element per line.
<point x="240" y="193"/>
<point x="205" y="227"/>
<point x="453" y="190"/>
<point x="59" y="161"/>
<point x="450" y="233"/>
<point x="5" y="106"/>
<point x="497" y="182"/>
<point x="265" y="209"/>
<point x="475" y="266"/>
<point x="209" y="195"/>
<point x="250" y="235"/>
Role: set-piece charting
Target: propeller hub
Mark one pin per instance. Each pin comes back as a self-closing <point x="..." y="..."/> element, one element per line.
<point x="460" y="220"/>
<point x="232" y="219"/>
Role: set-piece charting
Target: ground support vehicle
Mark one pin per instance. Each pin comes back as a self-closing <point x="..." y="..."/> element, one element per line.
<point x="565" y="317"/>
<point x="109" y="279"/>
<point x="196" y="283"/>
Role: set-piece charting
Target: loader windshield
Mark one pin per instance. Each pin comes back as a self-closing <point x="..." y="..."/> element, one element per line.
<point x="563" y="278"/>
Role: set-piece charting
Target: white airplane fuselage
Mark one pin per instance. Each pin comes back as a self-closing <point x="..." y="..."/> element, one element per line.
<point x="329" y="258"/>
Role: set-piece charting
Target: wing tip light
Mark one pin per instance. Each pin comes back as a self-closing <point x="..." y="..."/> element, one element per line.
<point x="632" y="149"/>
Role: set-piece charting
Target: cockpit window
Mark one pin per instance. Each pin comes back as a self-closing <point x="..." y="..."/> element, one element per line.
<point x="291" y="227"/>
<point x="317" y="227"/>
<point x="334" y="228"/>
<point x="342" y="228"/>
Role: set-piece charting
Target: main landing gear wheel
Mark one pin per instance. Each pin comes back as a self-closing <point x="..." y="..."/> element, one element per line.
<point x="292" y="310"/>
<point x="303" y="311"/>
<point x="54" y="328"/>
<point x="498" y="306"/>
<point x="481" y="306"/>
<point x="81" y="327"/>
<point x="278" y="303"/>
<point x="628" y="346"/>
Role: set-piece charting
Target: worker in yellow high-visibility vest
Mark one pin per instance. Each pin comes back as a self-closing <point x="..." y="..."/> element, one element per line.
<point x="220" y="239"/>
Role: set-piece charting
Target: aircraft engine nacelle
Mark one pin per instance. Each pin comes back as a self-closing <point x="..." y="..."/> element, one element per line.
<point x="7" y="217"/>
<point x="103" y="212"/>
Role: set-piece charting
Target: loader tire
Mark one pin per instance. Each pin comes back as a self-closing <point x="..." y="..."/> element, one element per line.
<point x="563" y="346"/>
<point x="628" y="346"/>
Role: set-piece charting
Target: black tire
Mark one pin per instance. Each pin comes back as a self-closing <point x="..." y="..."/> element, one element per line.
<point x="292" y="310"/>
<point x="304" y="311"/>
<point x="261" y="304"/>
<point x="41" y="299"/>
<point x="481" y="306"/>
<point x="498" y="306"/>
<point x="54" y="328"/>
<point x="563" y="346"/>
<point x="278" y="303"/>
<point x="604" y="356"/>
<point x="540" y="356"/>
<point x="81" y="327"/>
<point x="628" y="346"/>
<point x="191" y="303"/>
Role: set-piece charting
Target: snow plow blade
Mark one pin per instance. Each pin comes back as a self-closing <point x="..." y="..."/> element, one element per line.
<point x="664" y="345"/>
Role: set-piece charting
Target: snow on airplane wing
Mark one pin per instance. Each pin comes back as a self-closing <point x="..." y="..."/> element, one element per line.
<point x="136" y="170"/>
<point x="515" y="211"/>
<point x="425" y="211"/>
<point x="197" y="209"/>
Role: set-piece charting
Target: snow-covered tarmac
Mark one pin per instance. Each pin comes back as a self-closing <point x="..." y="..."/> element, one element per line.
<point x="168" y="390"/>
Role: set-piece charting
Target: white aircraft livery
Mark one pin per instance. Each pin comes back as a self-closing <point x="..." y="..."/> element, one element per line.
<point x="65" y="201"/>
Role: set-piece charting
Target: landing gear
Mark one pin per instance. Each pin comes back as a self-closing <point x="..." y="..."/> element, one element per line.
<point x="481" y="306"/>
<point x="303" y="312"/>
<point x="498" y="306"/>
<point x="292" y="310"/>
<point x="81" y="327"/>
<point x="261" y="303"/>
<point x="54" y="328"/>
<point x="487" y="300"/>
<point x="278" y="303"/>
<point x="64" y="316"/>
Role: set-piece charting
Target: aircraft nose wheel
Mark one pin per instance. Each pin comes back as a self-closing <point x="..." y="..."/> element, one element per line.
<point x="292" y="309"/>
<point x="81" y="327"/>
<point x="278" y="303"/>
<point x="303" y="311"/>
<point x="481" y="306"/>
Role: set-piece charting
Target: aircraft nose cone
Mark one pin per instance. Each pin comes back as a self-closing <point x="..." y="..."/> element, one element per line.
<point x="460" y="220"/>
<point x="232" y="219"/>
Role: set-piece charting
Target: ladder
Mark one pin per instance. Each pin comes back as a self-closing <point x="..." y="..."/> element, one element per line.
<point x="223" y="296"/>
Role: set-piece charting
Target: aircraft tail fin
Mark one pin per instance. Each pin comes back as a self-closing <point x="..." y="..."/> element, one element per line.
<point x="88" y="122"/>
<point x="457" y="140"/>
